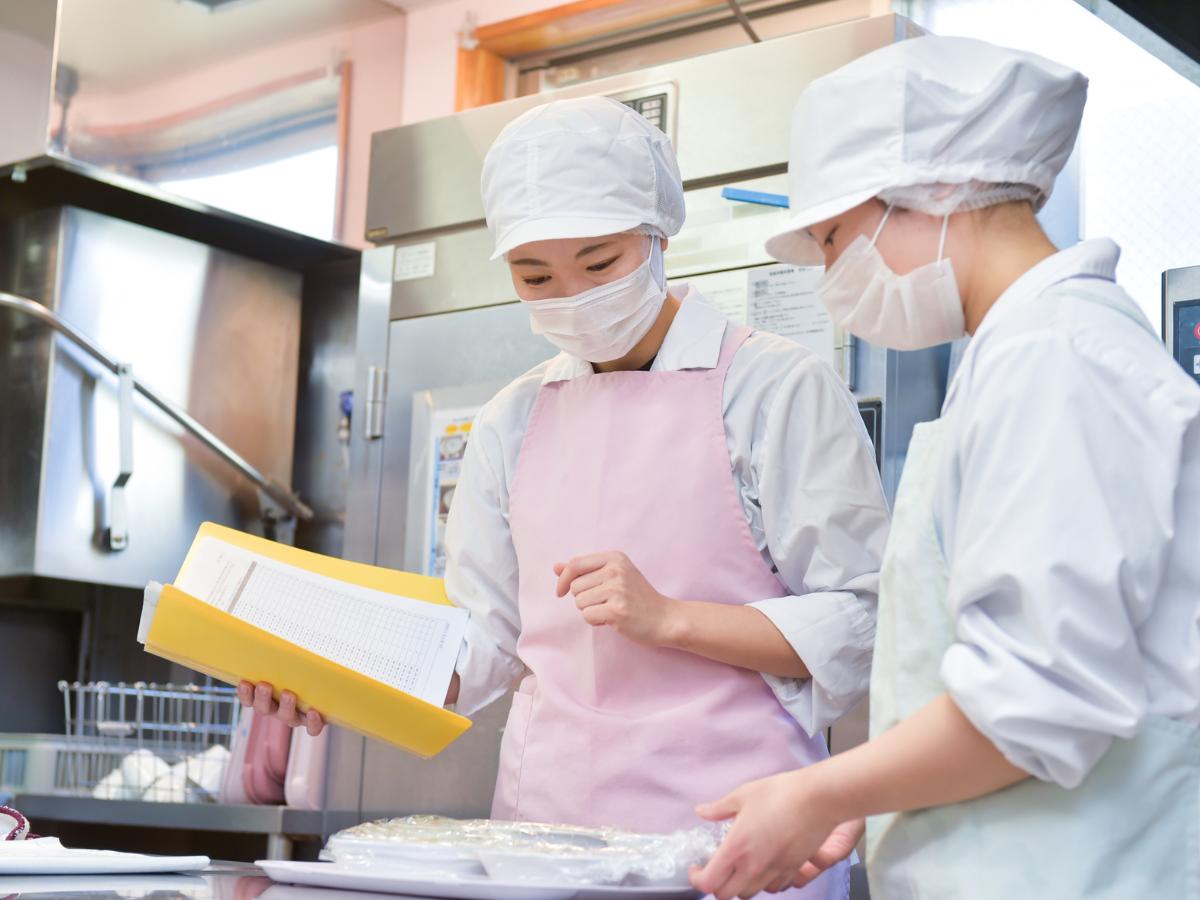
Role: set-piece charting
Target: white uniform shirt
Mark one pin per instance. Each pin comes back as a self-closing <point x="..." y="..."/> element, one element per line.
<point x="1070" y="514"/>
<point x="805" y="472"/>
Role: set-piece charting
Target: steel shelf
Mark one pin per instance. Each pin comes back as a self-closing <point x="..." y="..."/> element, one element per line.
<point x="239" y="818"/>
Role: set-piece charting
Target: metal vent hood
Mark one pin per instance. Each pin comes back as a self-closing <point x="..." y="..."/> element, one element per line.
<point x="203" y="305"/>
<point x="133" y="339"/>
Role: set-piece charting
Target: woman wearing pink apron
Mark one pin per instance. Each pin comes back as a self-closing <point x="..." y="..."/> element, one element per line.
<point x="669" y="535"/>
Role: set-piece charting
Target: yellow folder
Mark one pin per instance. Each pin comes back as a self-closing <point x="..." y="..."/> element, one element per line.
<point x="195" y="634"/>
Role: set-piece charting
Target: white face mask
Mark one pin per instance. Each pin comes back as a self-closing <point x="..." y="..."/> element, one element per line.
<point x="605" y="322"/>
<point x="905" y="312"/>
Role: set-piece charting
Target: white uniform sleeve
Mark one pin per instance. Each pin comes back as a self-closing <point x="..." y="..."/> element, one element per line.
<point x="481" y="574"/>
<point x="1059" y="536"/>
<point x="825" y="520"/>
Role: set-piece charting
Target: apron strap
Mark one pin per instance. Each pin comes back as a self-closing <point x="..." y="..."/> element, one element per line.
<point x="732" y="344"/>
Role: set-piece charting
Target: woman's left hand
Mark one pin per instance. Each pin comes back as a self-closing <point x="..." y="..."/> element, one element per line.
<point x="610" y="590"/>
<point x="779" y="839"/>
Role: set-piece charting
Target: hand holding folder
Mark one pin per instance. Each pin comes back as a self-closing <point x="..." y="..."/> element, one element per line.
<point x="373" y="649"/>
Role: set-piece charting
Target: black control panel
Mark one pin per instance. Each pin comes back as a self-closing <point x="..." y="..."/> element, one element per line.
<point x="1186" y="326"/>
<point x="652" y="108"/>
<point x="872" y="416"/>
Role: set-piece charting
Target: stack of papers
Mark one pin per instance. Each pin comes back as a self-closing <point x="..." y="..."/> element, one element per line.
<point x="372" y="649"/>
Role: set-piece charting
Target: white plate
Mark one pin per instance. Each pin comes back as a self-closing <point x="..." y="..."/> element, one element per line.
<point x="279" y="891"/>
<point x="454" y="887"/>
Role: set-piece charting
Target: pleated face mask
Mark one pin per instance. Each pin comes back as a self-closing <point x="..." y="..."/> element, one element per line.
<point x="919" y="309"/>
<point x="605" y="322"/>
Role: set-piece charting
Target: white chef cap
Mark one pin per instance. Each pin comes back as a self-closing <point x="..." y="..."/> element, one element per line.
<point x="936" y="124"/>
<point x="580" y="168"/>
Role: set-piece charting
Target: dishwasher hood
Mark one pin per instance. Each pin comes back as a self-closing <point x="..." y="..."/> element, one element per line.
<point x="96" y="485"/>
<point x="1166" y="29"/>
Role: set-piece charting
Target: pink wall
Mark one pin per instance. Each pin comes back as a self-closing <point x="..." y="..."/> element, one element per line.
<point x="404" y="70"/>
<point x="431" y="50"/>
<point x="376" y="51"/>
<point x="377" y="89"/>
<point x="431" y="47"/>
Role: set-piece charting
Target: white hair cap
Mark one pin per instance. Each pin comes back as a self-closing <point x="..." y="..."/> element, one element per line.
<point x="928" y="111"/>
<point x="578" y="168"/>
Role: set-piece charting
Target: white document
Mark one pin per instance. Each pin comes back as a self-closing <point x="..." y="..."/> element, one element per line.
<point x="149" y="605"/>
<point x="783" y="300"/>
<point x="405" y="643"/>
<point x="724" y="290"/>
<point x="415" y="261"/>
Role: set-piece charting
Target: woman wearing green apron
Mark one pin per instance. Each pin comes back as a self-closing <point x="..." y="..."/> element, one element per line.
<point x="1036" y="684"/>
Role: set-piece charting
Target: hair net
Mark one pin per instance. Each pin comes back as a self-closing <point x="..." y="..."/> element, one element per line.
<point x="943" y="199"/>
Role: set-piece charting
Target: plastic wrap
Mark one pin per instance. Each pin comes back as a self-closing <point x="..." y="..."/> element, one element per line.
<point x="526" y="851"/>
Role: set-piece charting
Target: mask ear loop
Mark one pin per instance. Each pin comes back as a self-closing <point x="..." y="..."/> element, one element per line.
<point x="942" y="241"/>
<point x="882" y="222"/>
<point x="658" y="266"/>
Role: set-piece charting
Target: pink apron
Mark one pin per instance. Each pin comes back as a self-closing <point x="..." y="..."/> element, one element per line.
<point x="605" y="731"/>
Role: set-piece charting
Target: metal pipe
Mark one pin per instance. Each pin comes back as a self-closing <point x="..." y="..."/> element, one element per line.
<point x="677" y="26"/>
<point x="743" y="21"/>
<point x="273" y="489"/>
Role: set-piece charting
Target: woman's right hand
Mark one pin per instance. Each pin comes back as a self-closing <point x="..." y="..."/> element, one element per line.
<point x="259" y="697"/>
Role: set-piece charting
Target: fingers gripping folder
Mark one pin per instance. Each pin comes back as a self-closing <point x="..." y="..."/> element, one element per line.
<point x="372" y="649"/>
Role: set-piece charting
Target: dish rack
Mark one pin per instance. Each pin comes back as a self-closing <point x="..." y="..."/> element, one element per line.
<point x="29" y="763"/>
<point x="154" y="742"/>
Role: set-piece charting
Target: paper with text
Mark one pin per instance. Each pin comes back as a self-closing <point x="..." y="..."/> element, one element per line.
<point x="783" y="299"/>
<point x="407" y="644"/>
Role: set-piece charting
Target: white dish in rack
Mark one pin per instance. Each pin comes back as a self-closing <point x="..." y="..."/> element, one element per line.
<point x="407" y="881"/>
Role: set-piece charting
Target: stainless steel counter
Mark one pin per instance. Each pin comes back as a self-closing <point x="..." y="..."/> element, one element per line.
<point x="221" y="881"/>
<point x="196" y="816"/>
<point x="279" y="824"/>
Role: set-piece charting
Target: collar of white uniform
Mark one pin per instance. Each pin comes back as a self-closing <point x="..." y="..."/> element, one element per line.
<point x="1096" y="258"/>
<point x="693" y="342"/>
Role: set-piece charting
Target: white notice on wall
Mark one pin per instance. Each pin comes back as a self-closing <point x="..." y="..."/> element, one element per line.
<point x="451" y="429"/>
<point x="414" y="261"/>
<point x="724" y="290"/>
<point x="783" y="299"/>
